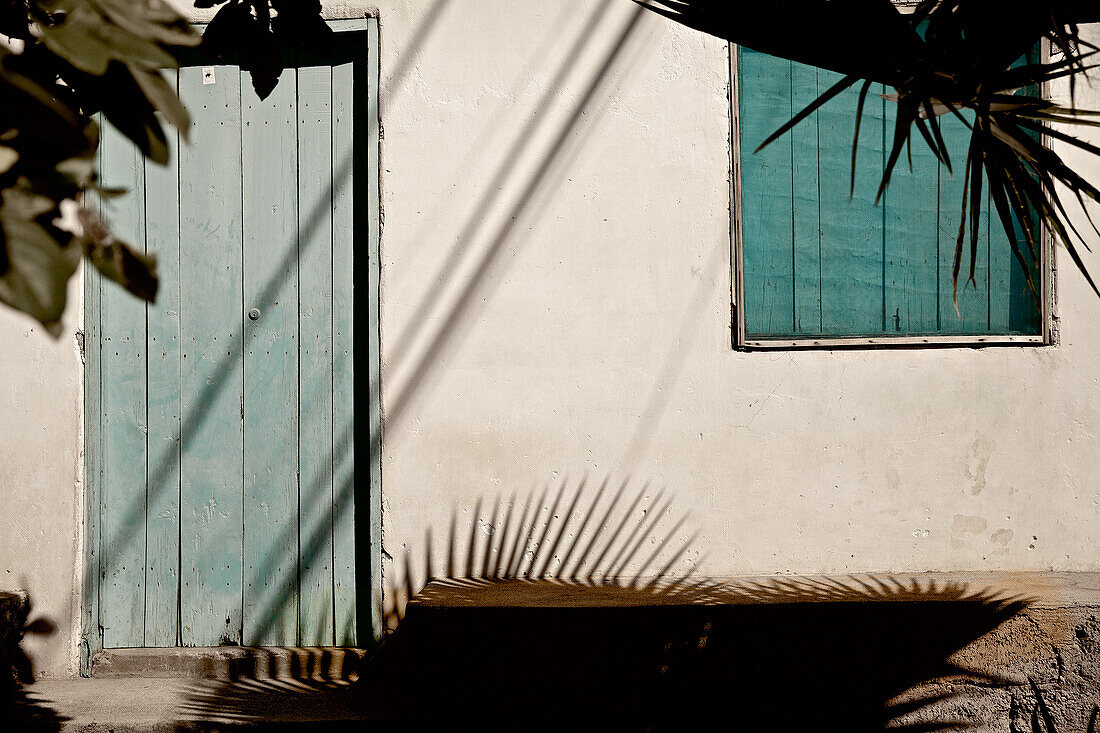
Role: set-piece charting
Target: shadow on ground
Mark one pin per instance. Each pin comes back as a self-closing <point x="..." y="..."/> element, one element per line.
<point x="537" y="633"/>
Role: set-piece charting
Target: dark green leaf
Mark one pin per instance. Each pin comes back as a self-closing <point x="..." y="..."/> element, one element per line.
<point x="162" y="96"/>
<point x="855" y="136"/>
<point x="907" y="112"/>
<point x="125" y="106"/>
<point x="38" y="267"/>
<point x="957" y="261"/>
<point x="129" y="268"/>
<point x="299" y="22"/>
<point x="998" y="193"/>
<point x="148" y="20"/>
<point x="90" y="43"/>
<point x="976" y="173"/>
<point x="229" y="30"/>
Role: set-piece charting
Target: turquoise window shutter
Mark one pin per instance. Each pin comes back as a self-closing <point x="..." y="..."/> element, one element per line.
<point x="821" y="262"/>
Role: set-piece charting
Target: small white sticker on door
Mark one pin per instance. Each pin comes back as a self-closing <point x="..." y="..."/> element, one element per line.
<point x="208" y="75"/>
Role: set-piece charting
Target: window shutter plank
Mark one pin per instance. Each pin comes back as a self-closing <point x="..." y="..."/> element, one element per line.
<point x="1013" y="308"/>
<point x="851" y="225"/>
<point x="912" y="264"/>
<point x="973" y="309"/>
<point x="806" y="88"/>
<point x="767" y="193"/>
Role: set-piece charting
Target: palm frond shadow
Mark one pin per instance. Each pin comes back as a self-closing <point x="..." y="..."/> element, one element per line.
<point x="579" y="605"/>
<point x="1042" y="720"/>
<point x="610" y="537"/>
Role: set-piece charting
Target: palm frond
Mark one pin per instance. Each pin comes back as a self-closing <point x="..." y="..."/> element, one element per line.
<point x="946" y="57"/>
<point x="812" y="107"/>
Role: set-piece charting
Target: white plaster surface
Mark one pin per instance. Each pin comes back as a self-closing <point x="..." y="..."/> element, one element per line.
<point x="556" y="303"/>
<point x="41" y="482"/>
<point x="597" y="339"/>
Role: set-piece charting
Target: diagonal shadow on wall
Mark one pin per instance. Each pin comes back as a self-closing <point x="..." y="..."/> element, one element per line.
<point x="315" y="541"/>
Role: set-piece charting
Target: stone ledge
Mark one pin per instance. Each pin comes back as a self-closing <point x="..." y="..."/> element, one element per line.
<point x="230" y="662"/>
<point x="1041" y="590"/>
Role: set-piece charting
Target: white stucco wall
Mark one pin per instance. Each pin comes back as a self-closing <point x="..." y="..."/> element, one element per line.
<point x="556" y="302"/>
<point x="41" y="482"/>
<point x="598" y="340"/>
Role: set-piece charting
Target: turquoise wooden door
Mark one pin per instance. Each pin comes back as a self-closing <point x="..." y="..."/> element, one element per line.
<point x="232" y="456"/>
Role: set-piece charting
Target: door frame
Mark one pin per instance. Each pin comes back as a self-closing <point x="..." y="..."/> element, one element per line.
<point x="368" y="432"/>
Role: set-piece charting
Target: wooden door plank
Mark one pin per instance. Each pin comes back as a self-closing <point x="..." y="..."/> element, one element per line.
<point x="973" y="299"/>
<point x="212" y="462"/>
<point x="807" y="190"/>
<point x="316" y="326"/>
<point x="851" y="225"/>
<point x="122" y="612"/>
<point x="912" y="261"/>
<point x="270" y="181"/>
<point x="162" y="519"/>
<point x="766" y="195"/>
<point x="343" y="353"/>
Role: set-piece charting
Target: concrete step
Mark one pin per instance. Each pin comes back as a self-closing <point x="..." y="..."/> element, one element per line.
<point x="232" y="662"/>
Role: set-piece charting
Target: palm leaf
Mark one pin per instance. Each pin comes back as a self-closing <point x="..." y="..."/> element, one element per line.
<point x="946" y="57"/>
<point x="812" y="107"/>
<point x="855" y="137"/>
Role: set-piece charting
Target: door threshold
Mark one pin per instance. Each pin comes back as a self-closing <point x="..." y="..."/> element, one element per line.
<point x="329" y="664"/>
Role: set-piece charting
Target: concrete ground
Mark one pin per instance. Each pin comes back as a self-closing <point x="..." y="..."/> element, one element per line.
<point x="163" y="705"/>
<point x="527" y="655"/>
<point x="107" y="704"/>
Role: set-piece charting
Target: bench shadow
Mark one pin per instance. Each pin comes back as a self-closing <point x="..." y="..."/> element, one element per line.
<point x="532" y="631"/>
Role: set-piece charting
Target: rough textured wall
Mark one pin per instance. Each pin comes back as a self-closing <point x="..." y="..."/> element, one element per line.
<point x="41" y="500"/>
<point x="556" y="302"/>
<point x="1048" y="655"/>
